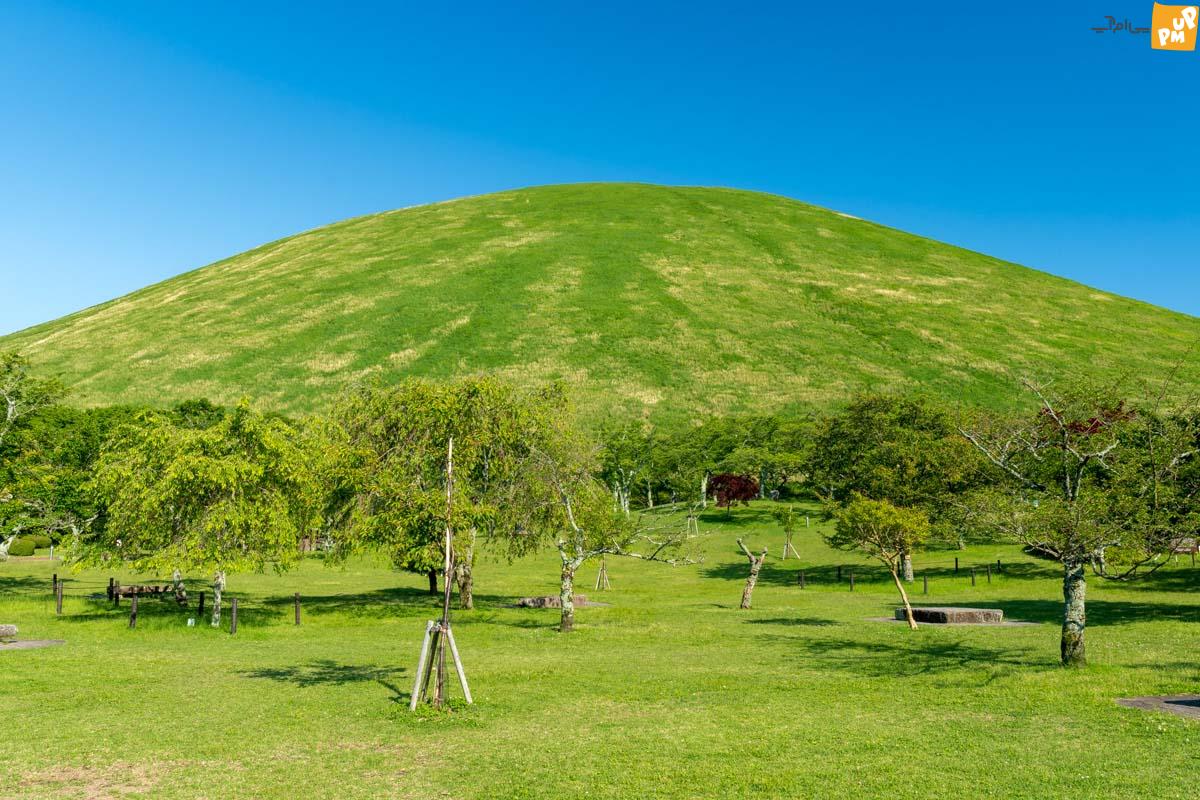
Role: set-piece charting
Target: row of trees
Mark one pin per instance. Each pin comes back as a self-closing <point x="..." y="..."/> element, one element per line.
<point x="199" y="487"/>
<point x="1082" y="477"/>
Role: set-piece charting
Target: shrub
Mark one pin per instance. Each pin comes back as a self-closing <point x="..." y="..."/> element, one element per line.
<point x="40" y="540"/>
<point x="23" y="546"/>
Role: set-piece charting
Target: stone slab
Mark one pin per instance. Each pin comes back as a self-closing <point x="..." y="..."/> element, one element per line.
<point x="8" y="632"/>
<point x="949" y="615"/>
<point x="30" y="644"/>
<point x="1181" y="705"/>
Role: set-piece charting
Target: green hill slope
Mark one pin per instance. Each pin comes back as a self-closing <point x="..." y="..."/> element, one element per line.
<point x="674" y="300"/>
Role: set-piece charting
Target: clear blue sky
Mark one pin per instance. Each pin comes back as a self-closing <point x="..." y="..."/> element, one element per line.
<point x="142" y="139"/>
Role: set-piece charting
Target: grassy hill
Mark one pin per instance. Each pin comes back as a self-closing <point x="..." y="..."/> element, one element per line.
<point x="671" y="301"/>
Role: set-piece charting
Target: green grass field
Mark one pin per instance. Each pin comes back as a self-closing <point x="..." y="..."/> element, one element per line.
<point x="671" y="301"/>
<point x="671" y="692"/>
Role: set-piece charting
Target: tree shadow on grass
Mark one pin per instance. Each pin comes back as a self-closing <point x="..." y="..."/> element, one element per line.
<point x="1099" y="612"/>
<point x="327" y="672"/>
<point x="379" y="603"/>
<point x="919" y="655"/>
<point x="24" y="585"/>
<point x="808" y="622"/>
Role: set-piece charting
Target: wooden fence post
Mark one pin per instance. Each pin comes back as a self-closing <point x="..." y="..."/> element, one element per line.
<point x="972" y="576"/>
<point x="233" y="616"/>
<point x="133" y="612"/>
<point x="58" y="591"/>
<point x="54" y="583"/>
<point x="200" y="610"/>
<point x="956" y="565"/>
<point x="110" y="588"/>
<point x="999" y="568"/>
<point x="297" y="608"/>
<point x="852" y="581"/>
<point x="925" y="580"/>
<point x="989" y="573"/>
<point x="801" y="579"/>
<point x="839" y="573"/>
<point x="117" y="594"/>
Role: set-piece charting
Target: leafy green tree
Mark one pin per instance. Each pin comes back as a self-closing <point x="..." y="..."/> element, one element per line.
<point x="385" y="463"/>
<point x="883" y="531"/>
<point x="575" y="511"/>
<point x="897" y="448"/>
<point x="22" y="395"/>
<point x="1088" y="481"/>
<point x="237" y="495"/>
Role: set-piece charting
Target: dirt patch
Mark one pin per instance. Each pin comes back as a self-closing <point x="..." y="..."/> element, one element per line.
<point x="1181" y="705"/>
<point x="93" y="783"/>
<point x="31" y="644"/>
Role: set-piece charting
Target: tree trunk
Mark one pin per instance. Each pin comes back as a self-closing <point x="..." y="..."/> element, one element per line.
<point x="218" y="588"/>
<point x="566" y="596"/>
<point x="466" y="585"/>
<point x="912" y="623"/>
<point x="756" y="563"/>
<point x="180" y="590"/>
<point x="464" y="573"/>
<point x="704" y="491"/>
<point x="649" y="495"/>
<point x="906" y="561"/>
<point x="1074" y="615"/>
<point x="432" y="575"/>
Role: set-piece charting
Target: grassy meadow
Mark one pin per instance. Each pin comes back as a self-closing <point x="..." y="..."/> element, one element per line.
<point x="671" y="301"/>
<point x="669" y="692"/>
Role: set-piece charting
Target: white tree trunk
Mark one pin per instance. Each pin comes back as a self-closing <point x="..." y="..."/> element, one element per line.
<point x="906" y="565"/>
<point x="218" y="587"/>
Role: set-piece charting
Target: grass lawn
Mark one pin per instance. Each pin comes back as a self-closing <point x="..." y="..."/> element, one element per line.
<point x="671" y="692"/>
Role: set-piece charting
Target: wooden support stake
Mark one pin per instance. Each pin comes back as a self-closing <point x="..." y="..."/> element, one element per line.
<point x="956" y="565"/>
<point x="433" y="650"/>
<point x="852" y="581"/>
<point x="133" y="612"/>
<point x="972" y="576"/>
<point x="419" y="682"/>
<point x="801" y="579"/>
<point x="462" y="674"/>
<point x="989" y="573"/>
<point x="58" y="592"/>
<point x="233" y="616"/>
<point x="54" y="583"/>
<point x="117" y="593"/>
<point x="998" y="567"/>
<point x="297" y="608"/>
<point x="110" y="588"/>
<point x="925" y="580"/>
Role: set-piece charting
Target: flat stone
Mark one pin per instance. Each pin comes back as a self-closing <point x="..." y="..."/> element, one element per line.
<point x="549" y="601"/>
<point x="30" y="644"/>
<point x="1181" y="705"/>
<point x="8" y="632"/>
<point x="949" y="615"/>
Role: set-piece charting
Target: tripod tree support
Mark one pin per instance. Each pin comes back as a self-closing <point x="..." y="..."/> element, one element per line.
<point x="438" y="634"/>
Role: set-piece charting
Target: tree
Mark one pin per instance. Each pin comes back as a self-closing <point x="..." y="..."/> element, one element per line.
<point x="576" y="512"/>
<point x="1088" y="481"/>
<point x="21" y="396"/>
<point x="238" y="495"/>
<point x="385" y="462"/>
<point x="730" y="488"/>
<point x="625" y="460"/>
<point x="756" y="563"/>
<point x="788" y="520"/>
<point x="902" y="449"/>
<point x="882" y="531"/>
